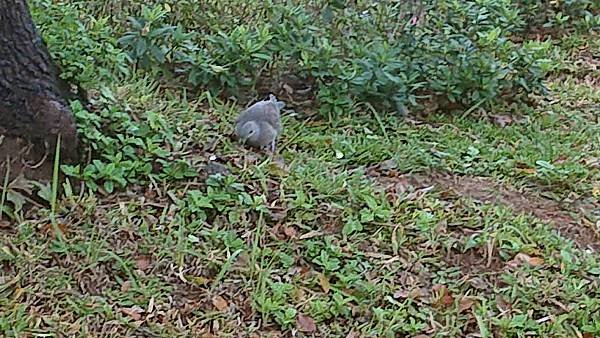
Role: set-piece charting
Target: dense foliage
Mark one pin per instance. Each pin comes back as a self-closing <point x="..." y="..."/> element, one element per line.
<point x="479" y="222"/>
<point x="400" y="55"/>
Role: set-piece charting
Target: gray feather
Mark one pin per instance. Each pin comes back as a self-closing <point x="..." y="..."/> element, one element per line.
<point x="260" y="124"/>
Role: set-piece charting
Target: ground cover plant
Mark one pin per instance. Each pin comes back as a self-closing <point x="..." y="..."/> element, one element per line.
<point x="438" y="174"/>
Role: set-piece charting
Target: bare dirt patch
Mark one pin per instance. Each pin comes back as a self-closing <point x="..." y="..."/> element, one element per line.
<point x="565" y="218"/>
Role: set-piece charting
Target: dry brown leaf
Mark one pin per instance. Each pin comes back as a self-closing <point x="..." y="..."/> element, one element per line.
<point x="421" y="336"/>
<point x="143" y="262"/>
<point x="418" y="293"/>
<point x="125" y="286"/>
<point x="560" y="159"/>
<point x="74" y="329"/>
<point x="220" y="303"/>
<point x="4" y="224"/>
<point x="134" y="312"/>
<point x="465" y="304"/>
<point x="290" y="231"/>
<point x="502" y="120"/>
<point x="287" y="88"/>
<point x="536" y="261"/>
<point x="521" y="259"/>
<point x="446" y="299"/>
<point x="49" y="228"/>
<point x="502" y="303"/>
<point x="401" y="294"/>
<point x="312" y="234"/>
<point x="530" y="171"/>
<point x="305" y="323"/>
<point x="324" y="282"/>
<point x="150" y="194"/>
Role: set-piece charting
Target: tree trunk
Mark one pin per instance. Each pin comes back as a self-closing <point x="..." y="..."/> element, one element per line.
<point x="31" y="104"/>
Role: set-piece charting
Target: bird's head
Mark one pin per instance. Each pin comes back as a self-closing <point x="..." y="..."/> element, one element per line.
<point x="249" y="131"/>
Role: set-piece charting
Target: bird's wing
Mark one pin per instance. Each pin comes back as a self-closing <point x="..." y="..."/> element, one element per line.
<point x="268" y="133"/>
<point x="261" y="111"/>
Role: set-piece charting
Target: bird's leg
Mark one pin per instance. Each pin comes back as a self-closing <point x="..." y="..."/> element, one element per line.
<point x="273" y="146"/>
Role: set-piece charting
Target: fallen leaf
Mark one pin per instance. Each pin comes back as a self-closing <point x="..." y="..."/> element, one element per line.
<point x="305" y="323"/>
<point x="126" y="286"/>
<point x="142" y="262"/>
<point x="74" y="329"/>
<point x="288" y="88"/>
<point x="561" y="159"/>
<point x="446" y="299"/>
<point x="324" y="282"/>
<point x="401" y="294"/>
<point x="134" y="312"/>
<point x="502" y="120"/>
<point x="312" y="234"/>
<point x="61" y="227"/>
<point x="299" y="295"/>
<point x="290" y="231"/>
<point x="4" y="224"/>
<point x="502" y="303"/>
<point x="150" y="194"/>
<point x="220" y="303"/>
<point x="465" y="304"/>
<point x="421" y="336"/>
<point x="530" y="171"/>
<point x="536" y="261"/>
<point x="521" y="259"/>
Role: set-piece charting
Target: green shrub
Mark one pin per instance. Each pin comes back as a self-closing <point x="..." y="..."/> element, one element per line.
<point x="459" y="52"/>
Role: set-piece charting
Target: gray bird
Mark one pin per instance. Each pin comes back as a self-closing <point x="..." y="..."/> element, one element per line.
<point x="260" y="124"/>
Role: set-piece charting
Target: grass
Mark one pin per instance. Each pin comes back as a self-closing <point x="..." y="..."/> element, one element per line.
<point x="339" y="234"/>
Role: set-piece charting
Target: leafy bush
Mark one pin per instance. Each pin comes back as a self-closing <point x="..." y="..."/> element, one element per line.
<point x="88" y="52"/>
<point x="127" y="151"/>
<point x="394" y="56"/>
<point x="457" y="52"/>
<point x="126" y="148"/>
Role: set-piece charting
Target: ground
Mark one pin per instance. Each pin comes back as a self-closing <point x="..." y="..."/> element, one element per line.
<point x="429" y="226"/>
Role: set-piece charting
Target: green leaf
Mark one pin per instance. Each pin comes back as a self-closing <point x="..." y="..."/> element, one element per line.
<point x="351" y="227"/>
<point x="161" y="31"/>
<point x="141" y="47"/>
<point x="158" y="54"/>
<point x="109" y="186"/>
<point x="128" y="39"/>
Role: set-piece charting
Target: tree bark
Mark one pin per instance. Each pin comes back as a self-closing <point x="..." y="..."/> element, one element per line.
<point x="32" y="106"/>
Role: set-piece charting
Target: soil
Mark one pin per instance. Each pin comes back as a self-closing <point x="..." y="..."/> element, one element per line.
<point x="566" y="219"/>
